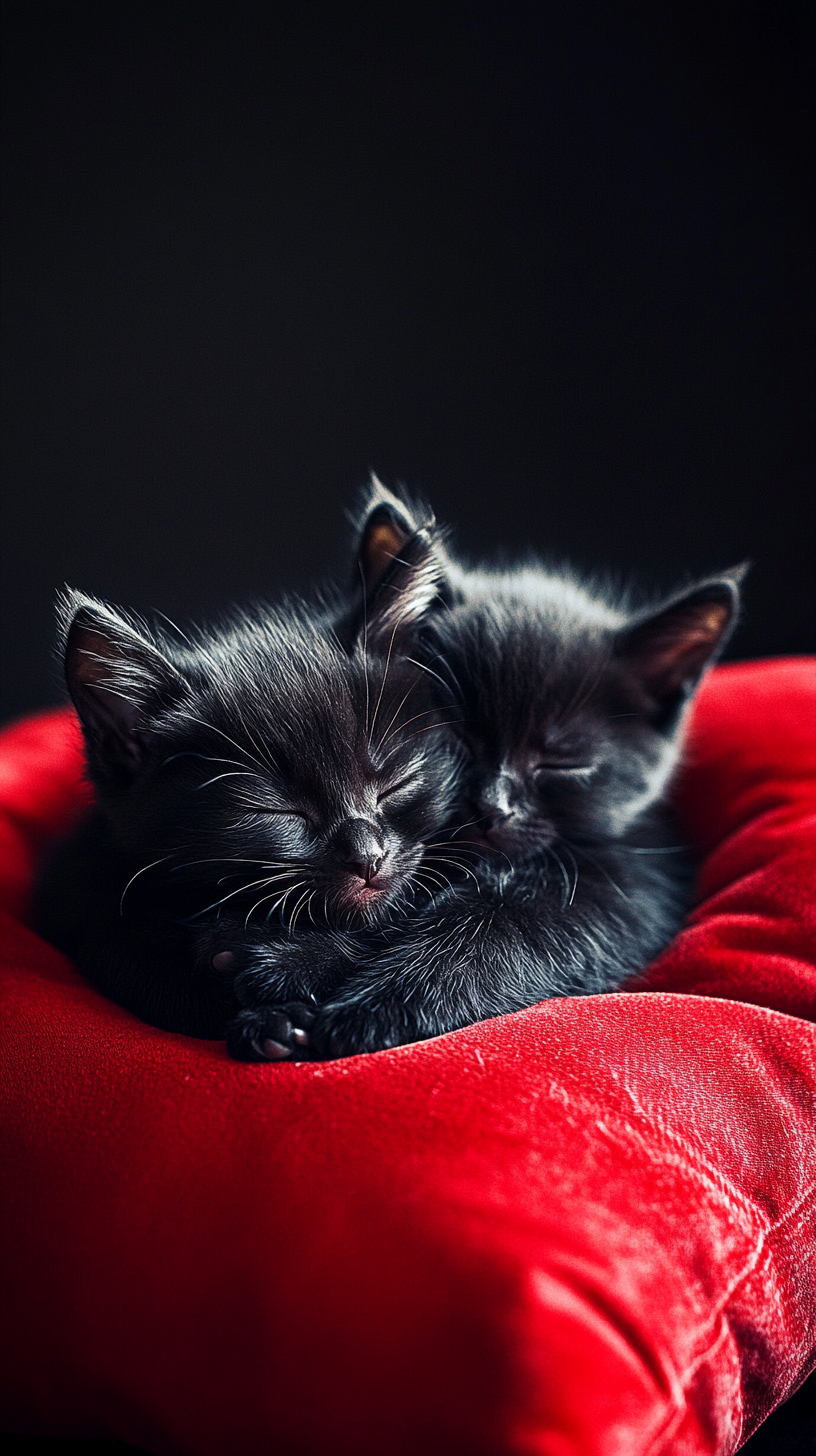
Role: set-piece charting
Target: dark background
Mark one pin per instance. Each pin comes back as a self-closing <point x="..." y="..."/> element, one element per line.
<point x="549" y="264"/>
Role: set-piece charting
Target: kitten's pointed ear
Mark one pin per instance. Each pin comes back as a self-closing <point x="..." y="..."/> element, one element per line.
<point x="670" y="649"/>
<point x="402" y="567"/>
<point x="118" y="677"/>
<point x="384" y="524"/>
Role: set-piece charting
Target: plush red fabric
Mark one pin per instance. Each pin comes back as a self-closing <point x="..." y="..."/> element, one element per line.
<point x="583" y="1230"/>
<point x="748" y="798"/>
<point x="42" y="792"/>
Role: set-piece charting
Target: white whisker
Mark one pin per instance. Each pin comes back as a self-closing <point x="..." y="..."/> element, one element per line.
<point x="556" y="856"/>
<point x="404" y="725"/>
<point x="231" y="896"/>
<point x="592" y="860"/>
<point x="575" y="871"/>
<point x="365" y="643"/>
<point x="281" y="898"/>
<point x="395" y="714"/>
<point x="293" y="917"/>
<point x="437" y="875"/>
<point x="385" y="674"/>
<point x="424" y="667"/>
<point x="247" y="757"/>
<point x="205" y="757"/>
<point x="443" y="859"/>
<point x="244" y="773"/>
<point x="142" y="871"/>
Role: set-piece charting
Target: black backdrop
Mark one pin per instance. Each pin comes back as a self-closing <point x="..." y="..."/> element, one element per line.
<point x="549" y="264"/>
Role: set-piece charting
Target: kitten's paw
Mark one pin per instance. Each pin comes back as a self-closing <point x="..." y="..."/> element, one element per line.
<point x="345" y="1030"/>
<point x="273" y="1033"/>
<point x="262" y="967"/>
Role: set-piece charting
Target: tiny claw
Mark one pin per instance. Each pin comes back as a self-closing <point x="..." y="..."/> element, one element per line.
<point x="223" y="960"/>
<point x="300" y="1037"/>
<point x="273" y="1051"/>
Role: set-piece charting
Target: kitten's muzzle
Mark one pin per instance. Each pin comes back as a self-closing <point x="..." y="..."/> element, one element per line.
<point x="359" y="848"/>
<point x="504" y="819"/>
<point x="501" y="808"/>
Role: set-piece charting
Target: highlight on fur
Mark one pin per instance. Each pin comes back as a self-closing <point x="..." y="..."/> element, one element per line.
<point x="258" y="772"/>
<point x="332" y="826"/>
<point x="565" y="874"/>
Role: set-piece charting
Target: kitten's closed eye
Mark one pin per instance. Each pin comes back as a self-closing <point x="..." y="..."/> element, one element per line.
<point x="410" y="781"/>
<point x="291" y="831"/>
<point x="577" y="768"/>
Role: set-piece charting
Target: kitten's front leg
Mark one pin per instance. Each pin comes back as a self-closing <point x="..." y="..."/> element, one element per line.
<point x="514" y="940"/>
<point x="465" y="964"/>
<point x="278" y="982"/>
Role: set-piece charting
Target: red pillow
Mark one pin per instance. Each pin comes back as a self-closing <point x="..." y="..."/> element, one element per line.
<point x="585" y="1228"/>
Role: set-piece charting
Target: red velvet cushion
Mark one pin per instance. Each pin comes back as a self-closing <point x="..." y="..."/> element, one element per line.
<point x="583" y="1230"/>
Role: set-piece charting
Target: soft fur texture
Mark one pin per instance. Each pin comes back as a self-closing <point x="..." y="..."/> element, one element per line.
<point x="260" y="771"/>
<point x="475" y="762"/>
<point x="585" y="1229"/>
<point x="565" y="873"/>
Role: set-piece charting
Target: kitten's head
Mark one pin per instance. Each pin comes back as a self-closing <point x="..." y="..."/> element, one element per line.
<point x="572" y="707"/>
<point x="273" y="767"/>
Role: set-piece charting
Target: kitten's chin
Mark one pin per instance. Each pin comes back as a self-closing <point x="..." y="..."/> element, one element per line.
<point x="368" y="905"/>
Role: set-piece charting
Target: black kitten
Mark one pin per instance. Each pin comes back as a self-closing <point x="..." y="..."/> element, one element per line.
<point x="258" y="778"/>
<point x="565" y="875"/>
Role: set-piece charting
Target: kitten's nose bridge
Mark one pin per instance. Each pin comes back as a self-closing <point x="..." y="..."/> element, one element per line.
<point x="499" y="797"/>
<point x="359" y="847"/>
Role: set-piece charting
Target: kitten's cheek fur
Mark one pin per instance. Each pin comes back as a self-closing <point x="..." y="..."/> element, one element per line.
<point x="363" y="906"/>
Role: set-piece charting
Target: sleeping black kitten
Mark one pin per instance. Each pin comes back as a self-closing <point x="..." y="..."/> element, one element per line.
<point x="565" y="876"/>
<point x="260" y="778"/>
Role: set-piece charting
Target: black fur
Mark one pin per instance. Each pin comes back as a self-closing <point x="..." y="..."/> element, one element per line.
<point x="521" y="730"/>
<point x="259" y="778"/>
<point x="566" y="875"/>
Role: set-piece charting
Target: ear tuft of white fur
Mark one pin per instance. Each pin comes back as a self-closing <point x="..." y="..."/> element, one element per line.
<point x="411" y="509"/>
